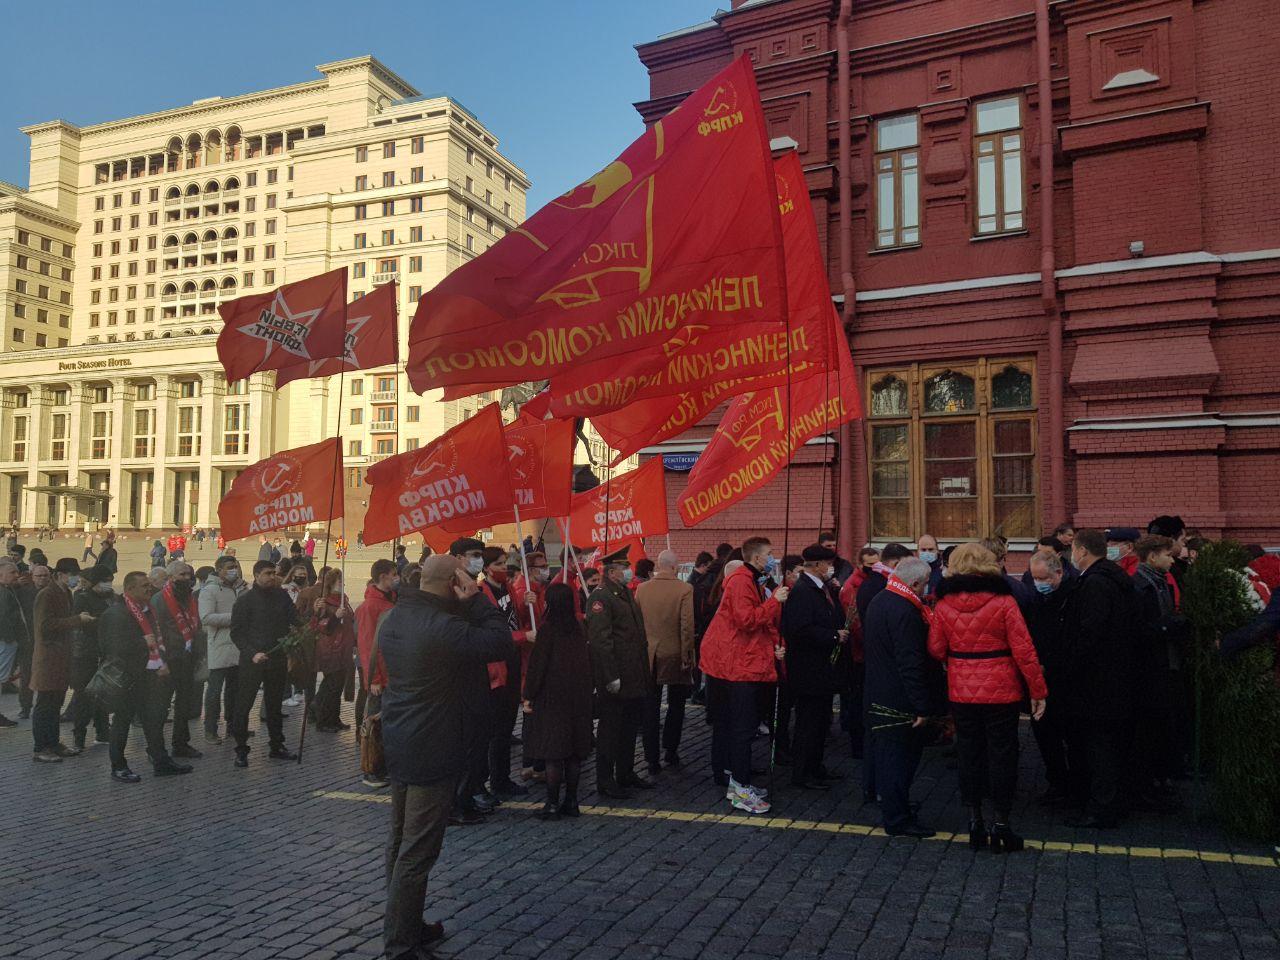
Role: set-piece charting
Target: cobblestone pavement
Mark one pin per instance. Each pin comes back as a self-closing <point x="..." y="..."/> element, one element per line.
<point x="283" y="860"/>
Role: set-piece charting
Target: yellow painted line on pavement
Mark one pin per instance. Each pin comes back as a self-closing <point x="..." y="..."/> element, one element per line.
<point x="859" y="829"/>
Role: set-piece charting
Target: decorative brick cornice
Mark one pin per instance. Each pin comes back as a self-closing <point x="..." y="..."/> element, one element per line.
<point x="1187" y="121"/>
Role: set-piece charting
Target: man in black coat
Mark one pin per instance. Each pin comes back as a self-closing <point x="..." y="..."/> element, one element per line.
<point x="1065" y="769"/>
<point x="125" y="644"/>
<point x="892" y="555"/>
<point x="439" y="634"/>
<point x="841" y="569"/>
<point x="817" y="654"/>
<point x="1097" y="641"/>
<point x="13" y="625"/>
<point x="260" y="619"/>
<point x="900" y="693"/>
<point x="108" y="558"/>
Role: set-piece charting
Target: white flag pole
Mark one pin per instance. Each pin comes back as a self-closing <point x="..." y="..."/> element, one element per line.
<point x="524" y="566"/>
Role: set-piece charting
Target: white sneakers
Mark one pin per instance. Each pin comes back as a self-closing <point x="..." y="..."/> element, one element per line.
<point x="750" y="799"/>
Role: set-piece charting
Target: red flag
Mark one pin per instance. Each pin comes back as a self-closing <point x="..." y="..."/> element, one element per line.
<point x="300" y="321"/>
<point x="290" y="489"/>
<point x="751" y="443"/>
<point x="462" y="476"/>
<point x="541" y="463"/>
<point x="679" y="230"/>
<point x="538" y="406"/>
<point x="371" y="339"/>
<point x="636" y="508"/>
<point x="689" y="382"/>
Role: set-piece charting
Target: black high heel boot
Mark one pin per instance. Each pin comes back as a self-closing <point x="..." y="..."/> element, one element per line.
<point x="978" y="835"/>
<point x="1004" y="839"/>
<point x="569" y="807"/>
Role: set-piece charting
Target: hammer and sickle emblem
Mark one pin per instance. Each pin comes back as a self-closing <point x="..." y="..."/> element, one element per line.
<point x="276" y="482"/>
<point x="598" y="189"/>
<point x="722" y="101"/>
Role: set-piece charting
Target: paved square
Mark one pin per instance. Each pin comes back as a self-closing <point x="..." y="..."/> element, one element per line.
<point x="282" y="860"/>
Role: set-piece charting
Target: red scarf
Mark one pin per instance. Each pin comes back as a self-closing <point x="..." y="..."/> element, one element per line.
<point x="142" y="613"/>
<point x="188" y="620"/>
<point x="900" y="589"/>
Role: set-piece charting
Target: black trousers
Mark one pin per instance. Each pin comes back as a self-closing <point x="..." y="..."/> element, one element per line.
<point x="853" y="711"/>
<point x="783" y="741"/>
<point x="894" y="758"/>
<point x="26" y="696"/>
<point x="186" y="699"/>
<point x="813" y="720"/>
<point x="272" y="677"/>
<point x="1064" y="768"/>
<point x="987" y="751"/>
<point x="84" y="708"/>
<point x="328" y="699"/>
<point x="152" y="700"/>
<point x="616" y="749"/>
<point x="44" y="719"/>
<point x="220" y="697"/>
<point x="135" y="704"/>
<point x="669" y="733"/>
<point x="419" y="815"/>
<point x="475" y="729"/>
<point x="733" y="708"/>
<point x="505" y="701"/>
<point x="1100" y="737"/>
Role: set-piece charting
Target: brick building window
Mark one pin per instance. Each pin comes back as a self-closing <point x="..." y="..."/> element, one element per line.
<point x="997" y="165"/>
<point x="952" y="450"/>
<point x="897" y="164"/>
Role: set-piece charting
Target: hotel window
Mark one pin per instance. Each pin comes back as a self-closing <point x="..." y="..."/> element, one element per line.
<point x="412" y="444"/>
<point x="470" y="242"/>
<point x="388" y="149"/>
<point x="146" y="391"/>
<point x="271" y="201"/>
<point x="415" y="204"/>
<point x="269" y="251"/>
<point x="117" y="200"/>
<point x="100" y="438"/>
<point x="97" y="250"/>
<point x="133" y="223"/>
<point x="389" y="178"/>
<point x="388" y="237"/>
<point x="269" y="277"/>
<point x="385" y="448"/>
<point x="250" y="229"/>
<point x="272" y="176"/>
<point x="143" y="430"/>
<point x="97" y="226"/>
<point x="41" y="340"/>
<point x="42" y="315"/>
<point x="251" y="205"/>
<point x="59" y="396"/>
<point x="251" y="179"/>
<point x="362" y="182"/>
<point x="354" y="477"/>
<point x="99" y="203"/>
<point x="58" y="435"/>
<point x="361" y="211"/>
<point x="357" y="388"/>
<point x="952" y="450"/>
<point x="997" y="149"/>
<point x="247" y="280"/>
<point x="94" y="319"/>
<point x="411" y="414"/>
<point x="188" y="431"/>
<point x="115" y="248"/>
<point x="415" y="175"/>
<point x="250" y="254"/>
<point x="362" y="154"/>
<point x="270" y="227"/>
<point x="235" y="428"/>
<point x="416" y="144"/>
<point x="20" y="435"/>
<point x="153" y="218"/>
<point x="188" y="389"/>
<point x="470" y="185"/>
<point x="388" y="208"/>
<point x="357" y="417"/>
<point x="153" y="194"/>
<point x="354" y="447"/>
<point x="115" y="223"/>
<point x="357" y="270"/>
<point x="471" y="154"/>
<point x="135" y="198"/>
<point x="361" y="241"/>
<point x="94" y="274"/>
<point x="101" y="395"/>
<point x="390" y="265"/>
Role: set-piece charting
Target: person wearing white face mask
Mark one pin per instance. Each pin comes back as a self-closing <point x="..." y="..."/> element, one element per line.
<point x="216" y="601"/>
<point x="468" y="554"/>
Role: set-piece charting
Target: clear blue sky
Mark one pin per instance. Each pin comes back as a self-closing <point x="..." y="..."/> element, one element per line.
<point x="553" y="79"/>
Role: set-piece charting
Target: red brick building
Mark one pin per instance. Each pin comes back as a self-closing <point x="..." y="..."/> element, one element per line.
<point x="1054" y="232"/>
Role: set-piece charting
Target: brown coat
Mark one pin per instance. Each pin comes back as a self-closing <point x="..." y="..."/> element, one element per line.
<point x="667" y="604"/>
<point x="55" y="628"/>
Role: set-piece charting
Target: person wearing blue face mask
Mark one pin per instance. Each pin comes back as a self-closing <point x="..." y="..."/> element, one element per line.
<point x="1120" y="541"/>
<point x="1064" y="768"/>
<point x="927" y="550"/>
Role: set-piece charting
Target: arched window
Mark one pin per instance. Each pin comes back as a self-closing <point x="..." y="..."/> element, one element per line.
<point x="213" y="146"/>
<point x="211" y="186"/>
<point x="171" y="240"/>
<point x="194" y="149"/>
<point x="1011" y="388"/>
<point x="189" y="238"/>
<point x="193" y="190"/>
<point x="208" y="286"/>
<point x="210" y="236"/>
<point x="189" y="287"/>
<point x="233" y="147"/>
<point x="889" y="397"/>
<point x="233" y="183"/>
<point x="949" y="392"/>
<point x="169" y="290"/>
<point x="207" y="330"/>
<point x="173" y="193"/>
<point x="230" y="233"/>
<point x="228" y="283"/>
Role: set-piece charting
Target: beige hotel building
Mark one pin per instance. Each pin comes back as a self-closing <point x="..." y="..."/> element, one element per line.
<point x="113" y="407"/>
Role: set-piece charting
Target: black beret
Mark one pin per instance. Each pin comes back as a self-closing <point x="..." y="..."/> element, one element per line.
<point x="1122" y="534"/>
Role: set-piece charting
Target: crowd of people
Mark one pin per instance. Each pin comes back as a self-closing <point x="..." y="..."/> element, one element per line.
<point x="447" y="657"/>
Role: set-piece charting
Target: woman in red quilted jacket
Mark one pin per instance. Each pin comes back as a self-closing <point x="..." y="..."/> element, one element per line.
<point x="979" y="633"/>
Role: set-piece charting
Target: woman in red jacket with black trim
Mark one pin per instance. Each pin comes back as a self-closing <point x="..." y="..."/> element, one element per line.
<point x="979" y="633"/>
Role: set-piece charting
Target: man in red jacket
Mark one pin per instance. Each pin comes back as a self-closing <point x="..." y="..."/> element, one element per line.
<point x="379" y="598"/>
<point x="739" y="653"/>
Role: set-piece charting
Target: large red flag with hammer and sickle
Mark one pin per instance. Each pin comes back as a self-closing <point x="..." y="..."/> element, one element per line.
<point x="710" y="365"/>
<point x="296" y="323"/>
<point x="761" y="431"/>
<point x="290" y="489"/>
<point x="680" y="230"/>
<point x="622" y="511"/>
<point x="460" y="478"/>
<point x="371" y="339"/>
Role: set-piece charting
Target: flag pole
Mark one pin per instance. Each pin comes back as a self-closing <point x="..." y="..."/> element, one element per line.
<point x="524" y="565"/>
<point x="395" y="366"/>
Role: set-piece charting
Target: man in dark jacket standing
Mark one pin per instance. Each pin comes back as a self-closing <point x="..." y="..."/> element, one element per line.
<point x="438" y="635"/>
<point x="260" y="619"/>
<point x="620" y="665"/>
<point x="900" y="692"/>
<point x="1065" y="769"/>
<point x="94" y="597"/>
<point x="892" y="555"/>
<point x="186" y="644"/>
<point x="108" y="559"/>
<point x="816" y="639"/>
<point x="13" y="626"/>
<point x="1098" y="633"/>
<point x="55" y="624"/>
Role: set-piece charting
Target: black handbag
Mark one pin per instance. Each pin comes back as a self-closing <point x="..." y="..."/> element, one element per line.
<point x="109" y="686"/>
